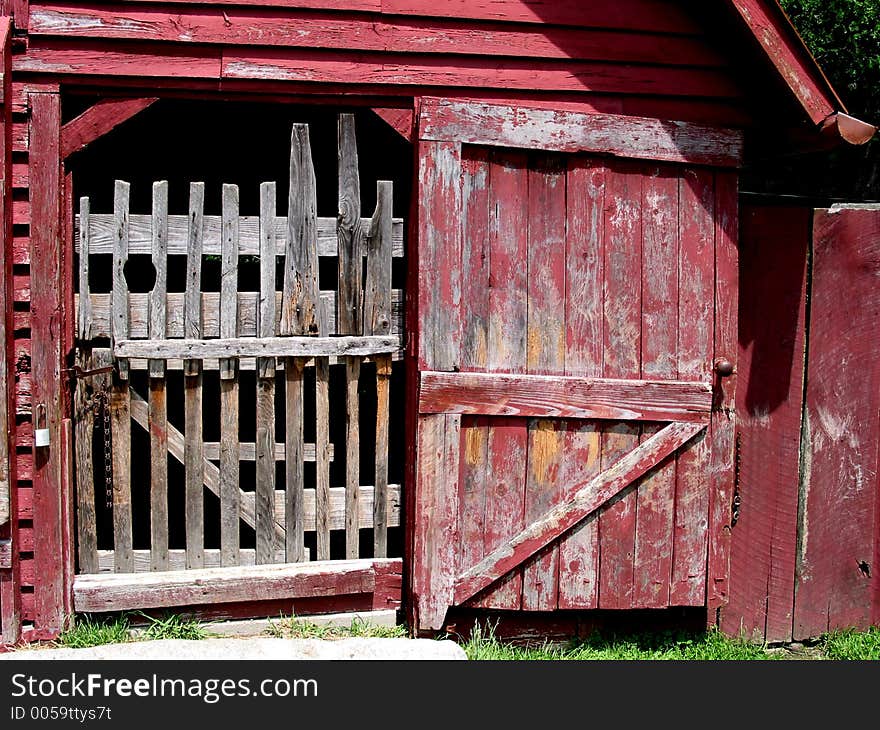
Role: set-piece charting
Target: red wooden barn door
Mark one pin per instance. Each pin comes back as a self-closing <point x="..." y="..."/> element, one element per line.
<point x="574" y="443"/>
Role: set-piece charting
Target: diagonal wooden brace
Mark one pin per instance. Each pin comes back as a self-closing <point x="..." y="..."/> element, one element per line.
<point x="140" y="415"/>
<point x="589" y="497"/>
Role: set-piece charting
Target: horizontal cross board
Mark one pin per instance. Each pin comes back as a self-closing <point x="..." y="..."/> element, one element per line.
<point x="195" y="349"/>
<point x="541" y="396"/>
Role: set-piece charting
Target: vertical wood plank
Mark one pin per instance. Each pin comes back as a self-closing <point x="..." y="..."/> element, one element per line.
<point x="294" y="517"/>
<point x="837" y="533"/>
<point x="439" y="256"/>
<point x="299" y="313"/>
<point x="695" y="344"/>
<point x="87" y="545"/>
<point x="506" y="352"/>
<point x="377" y="321"/>
<point x="348" y="231"/>
<point x="584" y="355"/>
<point x="474" y="467"/>
<point x="622" y="333"/>
<point x="545" y="355"/>
<point x="322" y="457"/>
<point x="775" y="243"/>
<point x="120" y="399"/>
<point x="265" y="446"/>
<point x="349" y="320"/>
<point x="158" y="415"/>
<point x="436" y="514"/>
<point x="230" y="494"/>
<point x="652" y="569"/>
<point x="119" y="299"/>
<point x="723" y="427"/>
<point x="194" y="462"/>
<point x="299" y="307"/>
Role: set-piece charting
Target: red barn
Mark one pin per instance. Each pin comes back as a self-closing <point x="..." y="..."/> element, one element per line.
<point x="509" y="385"/>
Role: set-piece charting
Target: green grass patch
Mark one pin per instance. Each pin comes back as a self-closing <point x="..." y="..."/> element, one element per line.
<point x="483" y="645"/>
<point x="92" y="631"/>
<point x="297" y="628"/>
<point x="852" y="645"/>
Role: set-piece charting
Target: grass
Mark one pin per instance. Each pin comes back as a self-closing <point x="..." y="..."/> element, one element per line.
<point x="297" y="628"/>
<point x="852" y="645"/>
<point x="90" y="631"/>
<point x="483" y="645"/>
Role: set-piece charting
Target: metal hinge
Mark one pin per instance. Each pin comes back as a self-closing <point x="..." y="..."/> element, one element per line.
<point x="737" y="464"/>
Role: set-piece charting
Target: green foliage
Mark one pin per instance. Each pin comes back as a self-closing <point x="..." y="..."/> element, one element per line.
<point x="173" y="627"/>
<point x="844" y="36"/>
<point x="852" y="645"/>
<point x="483" y="645"/>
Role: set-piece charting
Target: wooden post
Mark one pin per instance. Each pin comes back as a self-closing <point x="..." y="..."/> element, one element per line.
<point x="158" y="402"/>
<point x="377" y="321"/>
<point x="230" y="495"/>
<point x="265" y="489"/>
<point x="194" y="465"/>
<point x="46" y="356"/>
<point x="120" y="398"/>
<point x="348" y="314"/>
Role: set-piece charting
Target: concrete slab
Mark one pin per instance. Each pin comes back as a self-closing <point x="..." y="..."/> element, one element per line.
<point x="254" y="649"/>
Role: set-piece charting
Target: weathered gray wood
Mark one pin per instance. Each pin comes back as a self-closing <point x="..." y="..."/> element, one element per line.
<point x="248" y="305"/>
<point x="265" y="439"/>
<point x="158" y="428"/>
<point x="192" y="309"/>
<point x="84" y="310"/>
<point x="377" y="291"/>
<point x="193" y="458"/>
<point x="294" y="455"/>
<point x="266" y="348"/>
<point x="84" y="418"/>
<point x="230" y="494"/>
<point x="176" y="448"/>
<point x="229" y="275"/>
<point x="352" y="456"/>
<point x="380" y="504"/>
<point x="119" y="305"/>
<point x="120" y="420"/>
<point x="377" y="321"/>
<point x="139" y="242"/>
<point x="348" y="230"/>
<point x="231" y="585"/>
<point x="176" y="560"/>
<point x="247" y="451"/>
<point x="322" y="461"/>
<point x="157" y="301"/>
<point x="299" y="315"/>
<point x="266" y="312"/>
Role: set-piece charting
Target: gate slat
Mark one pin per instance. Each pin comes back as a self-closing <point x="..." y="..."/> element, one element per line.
<point x="349" y="318"/>
<point x="194" y="462"/>
<point x="87" y="541"/>
<point x="545" y="355"/>
<point x="265" y="440"/>
<point x="695" y="346"/>
<point x="230" y="495"/>
<point x="652" y="563"/>
<point x="585" y="259"/>
<point x="119" y="396"/>
<point x="299" y="304"/>
<point x="158" y="401"/>
<point x="621" y="360"/>
<point x="377" y="321"/>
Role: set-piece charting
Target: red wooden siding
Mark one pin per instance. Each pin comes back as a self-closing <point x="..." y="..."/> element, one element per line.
<point x="642" y="57"/>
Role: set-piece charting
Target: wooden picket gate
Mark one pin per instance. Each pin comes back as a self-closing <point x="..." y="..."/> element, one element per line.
<point x="297" y="333"/>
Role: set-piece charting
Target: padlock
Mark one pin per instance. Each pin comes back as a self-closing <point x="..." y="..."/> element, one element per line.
<point x="41" y="427"/>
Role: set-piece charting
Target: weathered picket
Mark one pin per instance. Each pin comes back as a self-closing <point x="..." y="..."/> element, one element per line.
<point x="284" y="336"/>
